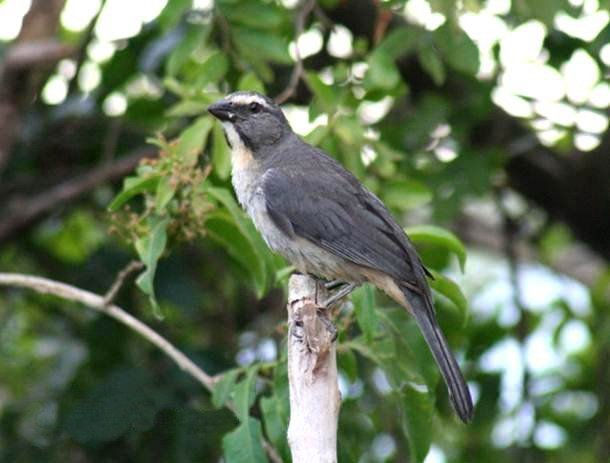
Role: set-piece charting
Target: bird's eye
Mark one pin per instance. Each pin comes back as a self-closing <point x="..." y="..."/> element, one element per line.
<point x="255" y="107"/>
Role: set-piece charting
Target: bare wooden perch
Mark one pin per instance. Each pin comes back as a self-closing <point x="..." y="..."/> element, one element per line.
<point x="312" y="375"/>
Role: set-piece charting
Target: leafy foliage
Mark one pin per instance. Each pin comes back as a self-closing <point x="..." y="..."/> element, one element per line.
<point x="407" y="109"/>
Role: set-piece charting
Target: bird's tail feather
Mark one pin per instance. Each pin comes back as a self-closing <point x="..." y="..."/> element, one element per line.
<point x="426" y="320"/>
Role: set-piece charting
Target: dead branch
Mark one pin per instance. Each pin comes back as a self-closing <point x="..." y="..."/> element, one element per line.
<point x="22" y="211"/>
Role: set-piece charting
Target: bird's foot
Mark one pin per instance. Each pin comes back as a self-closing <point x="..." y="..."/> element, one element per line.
<point x="331" y="329"/>
<point x="346" y="289"/>
<point x="333" y="284"/>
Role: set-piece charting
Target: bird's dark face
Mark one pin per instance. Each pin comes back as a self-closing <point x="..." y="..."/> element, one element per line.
<point x="251" y="120"/>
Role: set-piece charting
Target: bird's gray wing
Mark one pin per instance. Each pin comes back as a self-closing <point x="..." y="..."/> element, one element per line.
<point x="329" y="207"/>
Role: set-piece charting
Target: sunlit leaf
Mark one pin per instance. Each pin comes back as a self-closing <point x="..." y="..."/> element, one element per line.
<point x="192" y="140"/>
<point x="437" y="236"/>
<point x="165" y="193"/>
<point x="449" y="289"/>
<point x="221" y="154"/>
<point x="406" y="194"/>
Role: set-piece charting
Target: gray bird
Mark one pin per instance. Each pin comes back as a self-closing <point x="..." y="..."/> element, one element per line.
<point x="317" y="215"/>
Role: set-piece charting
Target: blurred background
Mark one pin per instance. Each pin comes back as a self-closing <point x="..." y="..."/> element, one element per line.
<point x="485" y="120"/>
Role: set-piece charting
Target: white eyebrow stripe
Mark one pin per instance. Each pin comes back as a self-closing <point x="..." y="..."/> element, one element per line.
<point x="247" y="99"/>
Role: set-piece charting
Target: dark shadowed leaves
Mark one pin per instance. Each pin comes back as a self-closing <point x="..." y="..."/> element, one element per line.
<point x="126" y="402"/>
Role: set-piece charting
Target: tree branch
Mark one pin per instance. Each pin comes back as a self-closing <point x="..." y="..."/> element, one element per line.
<point x="20" y="212"/>
<point x="297" y="72"/>
<point x="47" y="286"/>
<point x="99" y="303"/>
<point x="26" y="63"/>
<point x="312" y="375"/>
<point x="576" y="261"/>
<point x="132" y="267"/>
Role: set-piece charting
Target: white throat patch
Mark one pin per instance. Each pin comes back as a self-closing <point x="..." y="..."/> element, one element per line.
<point x="241" y="156"/>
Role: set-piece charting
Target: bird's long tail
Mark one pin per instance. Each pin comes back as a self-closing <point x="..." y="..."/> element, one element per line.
<point x="426" y="319"/>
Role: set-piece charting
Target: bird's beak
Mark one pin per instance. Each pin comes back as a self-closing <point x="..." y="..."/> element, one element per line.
<point x="222" y="111"/>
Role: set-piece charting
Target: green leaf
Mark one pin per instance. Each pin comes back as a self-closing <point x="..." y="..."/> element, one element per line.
<point x="412" y="351"/>
<point x="221" y="228"/>
<point x="244" y="394"/>
<point x="181" y="54"/>
<point x="150" y="248"/>
<point x="250" y="82"/>
<point x="364" y="303"/>
<point x="326" y="96"/>
<point x="244" y="444"/>
<point x="448" y="288"/>
<point x="418" y="413"/>
<point x="405" y="194"/>
<point x="349" y="130"/>
<point x="165" y="193"/>
<point x="399" y="42"/>
<point x="360" y="346"/>
<point x="263" y="265"/>
<point x="382" y="73"/>
<point x="192" y="140"/>
<point x="431" y="63"/>
<point x="221" y="155"/>
<point x="261" y="45"/>
<point x="224" y="387"/>
<point x="212" y="69"/>
<point x="254" y="14"/>
<point x="348" y="364"/>
<point x="78" y="237"/>
<point x="187" y="108"/>
<point x="133" y="186"/>
<point x="430" y="234"/>
<point x="283" y="274"/>
<point x="275" y="420"/>
<point x="457" y="48"/>
<point x="126" y="402"/>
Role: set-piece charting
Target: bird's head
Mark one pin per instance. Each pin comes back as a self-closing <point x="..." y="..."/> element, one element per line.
<point x="251" y="120"/>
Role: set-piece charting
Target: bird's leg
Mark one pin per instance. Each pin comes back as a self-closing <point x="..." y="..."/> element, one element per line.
<point x="340" y="294"/>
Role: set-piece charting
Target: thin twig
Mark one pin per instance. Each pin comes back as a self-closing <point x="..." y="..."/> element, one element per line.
<point x="511" y="228"/>
<point x="96" y="302"/>
<point x="297" y="72"/>
<point x="81" y="55"/>
<point x="323" y="17"/>
<point x="272" y="452"/>
<point x="130" y="268"/>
